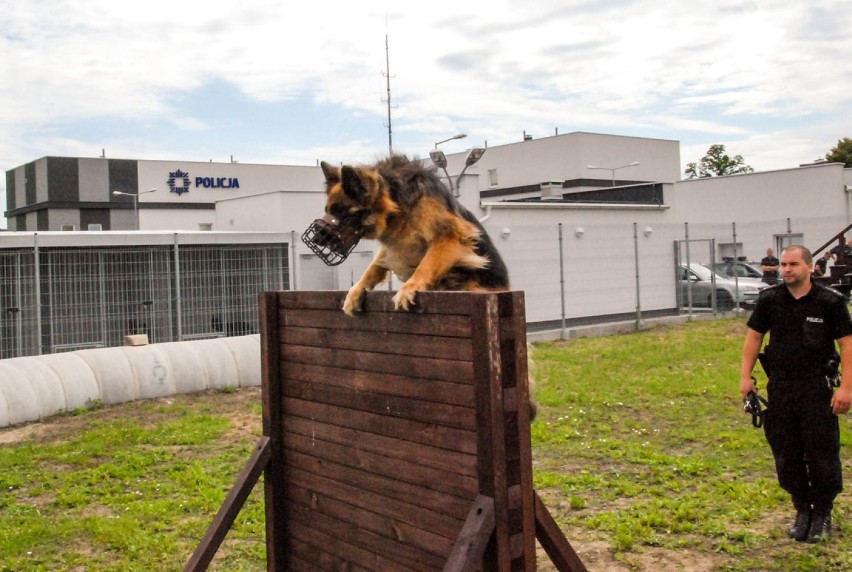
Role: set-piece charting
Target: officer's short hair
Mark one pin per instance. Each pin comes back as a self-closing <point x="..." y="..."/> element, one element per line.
<point x="806" y="254"/>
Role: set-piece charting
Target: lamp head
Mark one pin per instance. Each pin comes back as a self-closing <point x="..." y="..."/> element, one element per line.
<point x="438" y="158"/>
<point x="474" y="155"/>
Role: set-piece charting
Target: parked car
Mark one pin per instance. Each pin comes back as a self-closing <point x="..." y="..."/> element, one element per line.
<point x="700" y="280"/>
<point x="738" y="268"/>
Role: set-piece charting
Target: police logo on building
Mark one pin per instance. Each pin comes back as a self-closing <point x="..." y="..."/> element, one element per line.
<point x="179" y="182"/>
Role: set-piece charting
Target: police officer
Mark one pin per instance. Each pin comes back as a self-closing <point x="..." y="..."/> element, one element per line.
<point x="769" y="265"/>
<point x="804" y="320"/>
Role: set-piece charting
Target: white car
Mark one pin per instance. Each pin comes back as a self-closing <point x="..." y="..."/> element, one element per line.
<point x="700" y="281"/>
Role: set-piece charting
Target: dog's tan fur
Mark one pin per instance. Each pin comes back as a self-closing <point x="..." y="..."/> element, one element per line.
<point x="426" y="237"/>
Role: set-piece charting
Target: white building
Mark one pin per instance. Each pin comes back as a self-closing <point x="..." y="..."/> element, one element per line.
<point x="69" y="193"/>
<point x="591" y="226"/>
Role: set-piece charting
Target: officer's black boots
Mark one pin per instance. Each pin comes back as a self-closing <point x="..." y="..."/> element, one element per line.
<point x="801" y="526"/>
<point x="820" y="529"/>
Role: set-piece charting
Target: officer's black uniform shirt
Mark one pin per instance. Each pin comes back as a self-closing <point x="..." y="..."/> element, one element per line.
<point x="770" y="261"/>
<point x="802" y="332"/>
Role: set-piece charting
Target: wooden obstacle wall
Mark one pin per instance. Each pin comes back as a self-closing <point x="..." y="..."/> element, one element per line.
<point x="394" y="440"/>
<point x="378" y="422"/>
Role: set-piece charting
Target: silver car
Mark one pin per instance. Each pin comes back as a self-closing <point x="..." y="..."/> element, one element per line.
<point x="699" y="282"/>
<point x="731" y="268"/>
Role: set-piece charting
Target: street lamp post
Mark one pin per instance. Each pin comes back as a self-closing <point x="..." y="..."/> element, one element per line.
<point x="458" y="136"/>
<point x="135" y="202"/>
<point x="613" y="169"/>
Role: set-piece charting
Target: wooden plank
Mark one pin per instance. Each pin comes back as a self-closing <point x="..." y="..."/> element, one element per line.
<point x="478" y="528"/>
<point x="490" y="414"/>
<point x="396" y="407"/>
<point x="451" y="326"/>
<point x="430" y="456"/>
<point x="398" y="344"/>
<point x="276" y="515"/>
<point x="366" y="529"/>
<point x="393" y="489"/>
<point x="305" y="557"/>
<point x="553" y="541"/>
<point x="441" y="524"/>
<point x="414" y="367"/>
<point x="414" y="473"/>
<point x="343" y="554"/>
<point x="404" y="430"/>
<point x="520" y="447"/>
<point x="229" y="510"/>
<point x="432" y="390"/>
<point x="381" y="301"/>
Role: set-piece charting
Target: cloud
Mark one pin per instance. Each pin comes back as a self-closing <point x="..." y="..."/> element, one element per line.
<point x="118" y="75"/>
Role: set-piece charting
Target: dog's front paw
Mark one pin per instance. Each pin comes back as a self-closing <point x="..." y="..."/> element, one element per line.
<point x="404" y="299"/>
<point x="353" y="300"/>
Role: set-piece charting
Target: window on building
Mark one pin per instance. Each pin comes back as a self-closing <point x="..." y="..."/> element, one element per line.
<point x="492" y="177"/>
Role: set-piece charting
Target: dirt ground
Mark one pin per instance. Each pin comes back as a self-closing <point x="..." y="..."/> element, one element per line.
<point x="246" y="424"/>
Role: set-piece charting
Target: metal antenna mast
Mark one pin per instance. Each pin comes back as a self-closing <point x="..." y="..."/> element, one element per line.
<point x="388" y="77"/>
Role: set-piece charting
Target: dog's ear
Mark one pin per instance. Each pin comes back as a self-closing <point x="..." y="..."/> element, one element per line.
<point x="331" y="173"/>
<point x="353" y="185"/>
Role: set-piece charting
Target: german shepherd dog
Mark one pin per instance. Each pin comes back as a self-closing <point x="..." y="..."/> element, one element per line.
<point x="426" y="237"/>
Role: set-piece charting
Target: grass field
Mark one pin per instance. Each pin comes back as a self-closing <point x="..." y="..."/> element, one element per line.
<point x="641" y="450"/>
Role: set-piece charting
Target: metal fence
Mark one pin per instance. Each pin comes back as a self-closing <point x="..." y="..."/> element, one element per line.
<point x="55" y="299"/>
<point x="581" y="268"/>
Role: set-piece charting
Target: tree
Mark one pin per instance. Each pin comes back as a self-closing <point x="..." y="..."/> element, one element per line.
<point x="841" y="153"/>
<point x="716" y="163"/>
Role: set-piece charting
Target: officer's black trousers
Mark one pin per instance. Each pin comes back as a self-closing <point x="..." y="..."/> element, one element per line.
<point x="804" y="436"/>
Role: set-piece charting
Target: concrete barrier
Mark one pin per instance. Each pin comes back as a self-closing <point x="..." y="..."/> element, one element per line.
<point x="32" y="388"/>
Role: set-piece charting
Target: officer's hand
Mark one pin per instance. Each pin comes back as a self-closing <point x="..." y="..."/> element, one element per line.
<point x="842" y="400"/>
<point x="747" y="386"/>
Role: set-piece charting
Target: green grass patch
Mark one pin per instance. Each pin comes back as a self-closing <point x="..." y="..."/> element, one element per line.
<point x="645" y="437"/>
<point x="640" y="449"/>
<point x="133" y="492"/>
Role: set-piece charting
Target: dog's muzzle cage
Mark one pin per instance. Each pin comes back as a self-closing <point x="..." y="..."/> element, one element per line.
<point x="333" y="239"/>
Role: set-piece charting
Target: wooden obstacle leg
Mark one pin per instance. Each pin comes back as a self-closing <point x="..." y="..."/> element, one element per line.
<point x="477" y="530"/>
<point x="245" y="482"/>
<point x="554" y="542"/>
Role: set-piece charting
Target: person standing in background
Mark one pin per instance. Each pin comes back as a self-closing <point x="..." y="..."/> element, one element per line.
<point x="769" y="265"/>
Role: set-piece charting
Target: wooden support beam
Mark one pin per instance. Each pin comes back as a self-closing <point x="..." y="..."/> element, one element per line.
<point x="554" y="542"/>
<point x="229" y="510"/>
<point x="474" y="536"/>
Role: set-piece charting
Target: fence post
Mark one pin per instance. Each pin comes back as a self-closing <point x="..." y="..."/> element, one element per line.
<point x="688" y="270"/>
<point x="179" y="322"/>
<point x="636" y="262"/>
<point x="561" y="282"/>
<point x="736" y="275"/>
<point x="37" y="293"/>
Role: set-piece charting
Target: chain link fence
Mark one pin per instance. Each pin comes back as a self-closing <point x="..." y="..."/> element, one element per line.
<point x="56" y="298"/>
<point x="59" y="293"/>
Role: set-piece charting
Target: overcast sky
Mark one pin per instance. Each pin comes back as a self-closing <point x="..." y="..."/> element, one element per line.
<point x="265" y="81"/>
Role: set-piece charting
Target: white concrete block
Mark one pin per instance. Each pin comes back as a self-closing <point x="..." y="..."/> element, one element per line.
<point x="136" y="340"/>
<point x="219" y="363"/>
<point x="114" y="374"/>
<point x="246" y="352"/>
<point x="45" y="384"/>
<point x="79" y="383"/>
<point x="5" y="373"/>
<point x="152" y="370"/>
<point x="185" y="366"/>
<point x="21" y="398"/>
